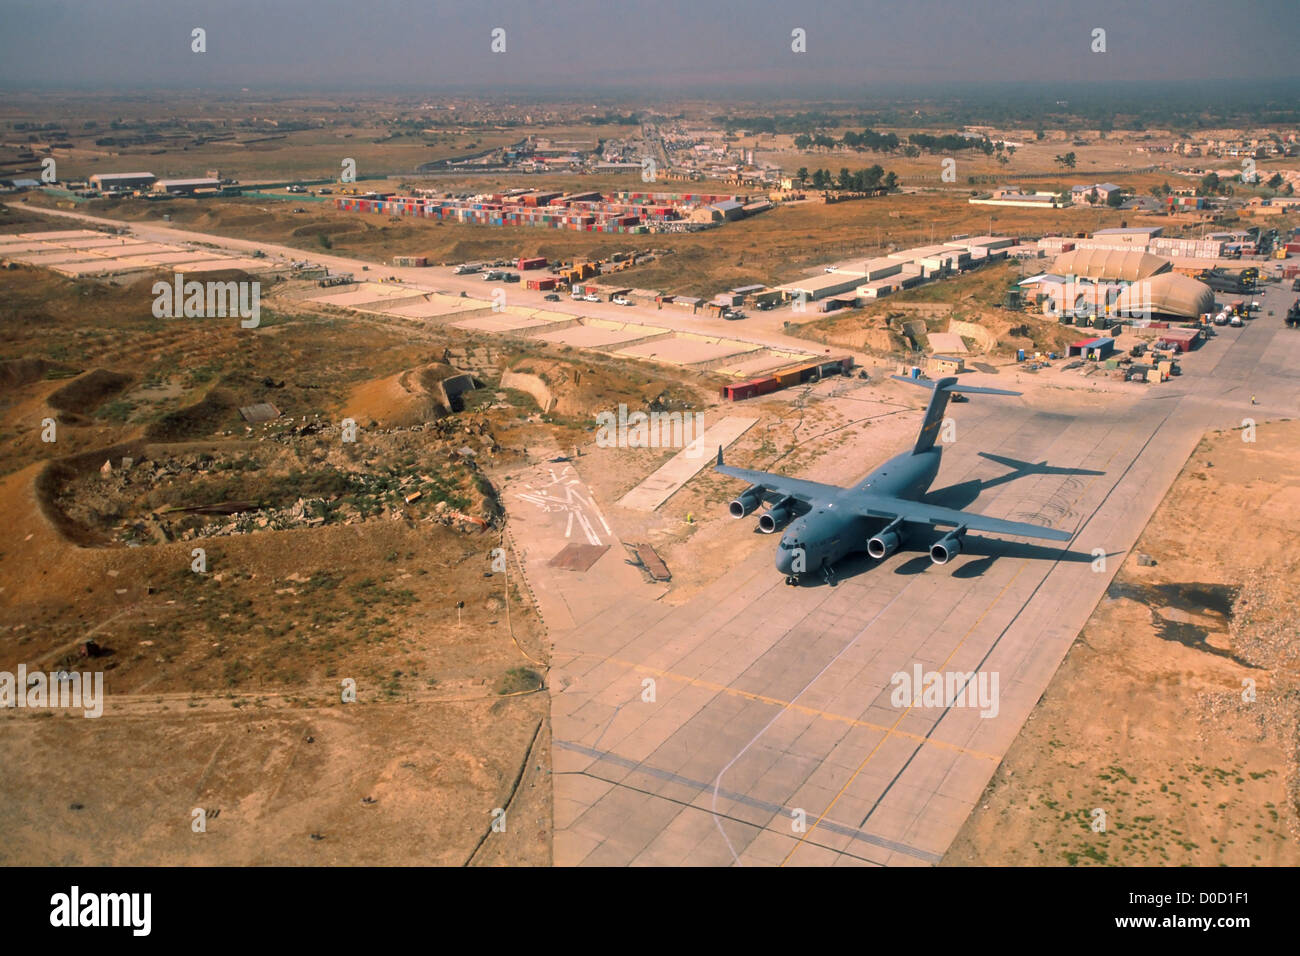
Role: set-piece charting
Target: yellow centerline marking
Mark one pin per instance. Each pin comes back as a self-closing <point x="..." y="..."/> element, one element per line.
<point x="903" y="716"/>
<point x="893" y="729"/>
<point x="800" y="708"/>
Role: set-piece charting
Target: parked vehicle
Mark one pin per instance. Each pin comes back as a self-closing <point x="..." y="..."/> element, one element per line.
<point x="551" y="297"/>
<point x="620" y="300"/>
<point x="591" y="298"/>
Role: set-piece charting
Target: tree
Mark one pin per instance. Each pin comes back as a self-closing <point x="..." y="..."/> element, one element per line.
<point x="1039" y="133"/>
<point x="911" y="152"/>
<point x="891" y="181"/>
<point x="1209" y="184"/>
<point x="1068" y="160"/>
<point x="845" y="178"/>
<point x="1275" y="181"/>
<point x="802" y="141"/>
<point x="1093" y="197"/>
<point x="1116" y="198"/>
<point x="802" y="175"/>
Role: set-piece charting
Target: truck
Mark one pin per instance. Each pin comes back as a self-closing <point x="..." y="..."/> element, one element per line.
<point x="465" y="269"/>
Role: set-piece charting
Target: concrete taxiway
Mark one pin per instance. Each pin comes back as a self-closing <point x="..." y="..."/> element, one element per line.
<point x="754" y="724"/>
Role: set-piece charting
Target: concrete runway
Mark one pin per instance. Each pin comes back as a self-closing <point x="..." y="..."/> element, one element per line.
<point x="770" y="737"/>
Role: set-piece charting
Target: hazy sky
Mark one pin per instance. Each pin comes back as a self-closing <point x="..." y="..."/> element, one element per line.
<point x="630" y="46"/>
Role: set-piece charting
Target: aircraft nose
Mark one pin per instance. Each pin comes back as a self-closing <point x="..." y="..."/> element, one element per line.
<point x="784" y="561"/>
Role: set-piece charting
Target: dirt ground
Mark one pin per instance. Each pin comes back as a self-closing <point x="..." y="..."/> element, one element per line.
<point x="225" y="685"/>
<point x="1151" y="717"/>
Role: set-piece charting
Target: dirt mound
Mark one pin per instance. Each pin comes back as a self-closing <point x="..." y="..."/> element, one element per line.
<point x="216" y="409"/>
<point x="327" y="229"/>
<point x="16" y="373"/>
<point x="62" y="473"/>
<point x="407" y="398"/>
<point x="85" y="393"/>
<point x="586" y="388"/>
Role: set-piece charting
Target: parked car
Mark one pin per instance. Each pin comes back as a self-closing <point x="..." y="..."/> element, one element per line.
<point x="552" y="297"/>
<point x="591" y="298"/>
<point x="620" y="300"/>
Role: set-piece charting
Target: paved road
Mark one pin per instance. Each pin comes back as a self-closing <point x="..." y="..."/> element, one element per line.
<point x="771" y="738"/>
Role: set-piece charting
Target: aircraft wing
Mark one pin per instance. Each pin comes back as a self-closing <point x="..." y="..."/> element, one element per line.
<point x="779" y="486"/>
<point x="882" y="506"/>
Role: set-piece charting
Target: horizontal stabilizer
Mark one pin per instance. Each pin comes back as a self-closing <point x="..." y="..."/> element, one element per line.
<point x="1039" y="468"/>
<point x="951" y="384"/>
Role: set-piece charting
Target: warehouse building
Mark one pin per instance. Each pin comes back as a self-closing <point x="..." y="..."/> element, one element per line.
<point x="121" y="182"/>
<point x="1016" y="198"/>
<point x="821" y="287"/>
<point x="185" y="187"/>
<point x="1129" y="235"/>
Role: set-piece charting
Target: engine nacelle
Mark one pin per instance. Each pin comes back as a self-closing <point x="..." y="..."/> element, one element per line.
<point x="883" y="544"/>
<point x="946" y="548"/>
<point x="777" y="515"/>
<point x="746" y="502"/>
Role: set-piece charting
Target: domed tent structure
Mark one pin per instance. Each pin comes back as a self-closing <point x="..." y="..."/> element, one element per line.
<point x="1127" y="265"/>
<point x="1169" y="294"/>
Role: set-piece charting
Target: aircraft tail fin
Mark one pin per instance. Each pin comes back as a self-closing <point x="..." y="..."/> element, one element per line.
<point x="942" y="390"/>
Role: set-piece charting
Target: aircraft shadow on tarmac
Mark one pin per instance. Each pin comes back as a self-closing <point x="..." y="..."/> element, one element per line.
<point x="986" y="551"/>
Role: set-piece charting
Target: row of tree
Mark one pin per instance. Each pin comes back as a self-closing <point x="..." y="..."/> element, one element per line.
<point x="889" y="143"/>
<point x="859" y="180"/>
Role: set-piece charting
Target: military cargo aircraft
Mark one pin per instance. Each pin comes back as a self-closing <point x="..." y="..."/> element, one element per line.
<point x="827" y="522"/>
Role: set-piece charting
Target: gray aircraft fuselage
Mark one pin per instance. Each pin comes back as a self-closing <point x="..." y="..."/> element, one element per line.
<point x="825" y="535"/>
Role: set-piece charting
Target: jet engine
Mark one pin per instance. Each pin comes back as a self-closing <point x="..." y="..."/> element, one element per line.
<point x="884" y="544"/>
<point x="746" y="502"/>
<point x="777" y="515"/>
<point x="946" y="548"/>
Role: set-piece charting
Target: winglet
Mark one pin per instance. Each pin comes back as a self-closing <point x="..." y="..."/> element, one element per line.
<point x="719" y="454"/>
